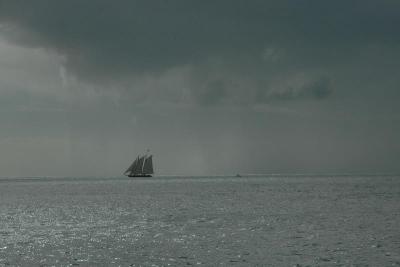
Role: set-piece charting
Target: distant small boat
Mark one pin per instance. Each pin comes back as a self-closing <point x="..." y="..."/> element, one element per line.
<point x="141" y="167"/>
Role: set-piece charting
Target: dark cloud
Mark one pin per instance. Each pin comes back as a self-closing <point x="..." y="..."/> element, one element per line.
<point x="220" y="52"/>
<point x="110" y="40"/>
<point x="234" y="49"/>
<point x="317" y="89"/>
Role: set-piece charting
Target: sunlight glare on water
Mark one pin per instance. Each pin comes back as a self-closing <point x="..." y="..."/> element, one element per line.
<point x="247" y="221"/>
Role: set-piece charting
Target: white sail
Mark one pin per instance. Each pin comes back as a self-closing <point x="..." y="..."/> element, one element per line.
<point x="148" y="165"/>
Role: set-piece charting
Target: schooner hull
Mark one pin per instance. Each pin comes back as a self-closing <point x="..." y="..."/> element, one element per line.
<point x="139" y="175"/>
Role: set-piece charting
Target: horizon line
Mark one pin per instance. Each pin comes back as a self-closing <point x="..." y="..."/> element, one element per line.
<point x="238" y="175"/>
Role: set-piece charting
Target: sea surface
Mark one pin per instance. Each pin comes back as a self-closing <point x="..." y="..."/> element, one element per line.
<point x="271" y="220"/>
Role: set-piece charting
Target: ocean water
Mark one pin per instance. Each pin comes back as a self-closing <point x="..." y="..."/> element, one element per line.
<point x="209" y="221"/>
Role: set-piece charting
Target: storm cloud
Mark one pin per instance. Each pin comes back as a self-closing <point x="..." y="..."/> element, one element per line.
<point x="108" y="43"/>
<point x="275" y="79"/>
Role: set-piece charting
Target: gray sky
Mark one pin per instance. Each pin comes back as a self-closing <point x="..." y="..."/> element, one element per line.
<point x="210" y="87"/>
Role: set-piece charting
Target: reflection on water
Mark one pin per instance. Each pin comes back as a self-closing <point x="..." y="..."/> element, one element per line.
<point x="280" y="221"/>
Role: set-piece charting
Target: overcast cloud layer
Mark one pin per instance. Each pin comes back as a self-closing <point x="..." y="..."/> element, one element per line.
<point x="209" y="86"/>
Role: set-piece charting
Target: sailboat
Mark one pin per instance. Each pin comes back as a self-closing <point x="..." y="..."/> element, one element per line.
<point x="141" y="167"/>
